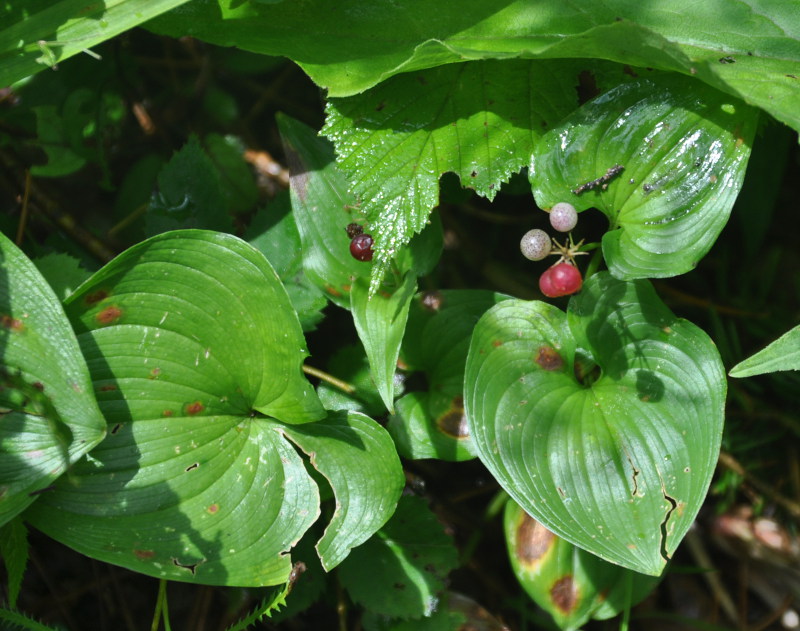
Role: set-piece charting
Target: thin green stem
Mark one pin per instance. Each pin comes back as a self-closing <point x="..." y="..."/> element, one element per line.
<point x="626" y="612"/>
<point x="594" y="264"/>
<point x="338" y="383"/>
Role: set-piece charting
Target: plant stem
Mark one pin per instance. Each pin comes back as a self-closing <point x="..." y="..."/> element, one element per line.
<point x="626" y="612"/>
<point x="338" y="383"/>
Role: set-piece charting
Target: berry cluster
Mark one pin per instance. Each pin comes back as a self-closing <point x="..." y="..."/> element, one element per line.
<point x="563" y="278"/>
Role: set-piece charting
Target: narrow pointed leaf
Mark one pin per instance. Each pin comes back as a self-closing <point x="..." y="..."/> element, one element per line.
<point x="358" y="458"/>
<point x="604" y="423"/>
<point x="38" y="34"/>
<point x="782" y="354"/>
<point x="322" y="208"/>
<point x="49" y="417"/>
<point x="671" y="153"/>
<point x="381" y="322"/>
<point x="189" y="335"/>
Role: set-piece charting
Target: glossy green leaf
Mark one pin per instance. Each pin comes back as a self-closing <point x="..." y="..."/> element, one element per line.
<point x="431" y="424"/>
<point x="366" y="494"/>
<point x="604" y="423"/>
<point x="782" y="354"/>
<point x="395" y="141"/>
<point x="322" y="208"/>
<point x="683" y="148"/>
<point x="567" y="582"/>
<point x="37" y="34"/>
<point x="350" y="46"/>
<point x="188" y="336"/>
<point x="49" y="417"/>
<point x="401" y="570"/>
<point x="381" y="321"/>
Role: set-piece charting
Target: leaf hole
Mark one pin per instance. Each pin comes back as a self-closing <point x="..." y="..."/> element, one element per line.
<point x="664" y="530"/>
<point x="192" y="567"/>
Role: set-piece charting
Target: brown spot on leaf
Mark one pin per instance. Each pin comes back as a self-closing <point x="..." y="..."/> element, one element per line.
<point x="380" y="106"/>
<point x="564" y="594"/>
<point x="116" y="428"/>
<point x="167" y="413"/>
<point x="108" y="388"/>
<point x="533" y="541"/>
<point x="95" y="297"/>
<point x="109" y="315"/>
<point x="194" y="408"/>
<point x="629" y="71"/>
<point x="154" y="373"/>
<point x="144" y="555"/>
<point x="497" y="343"/>
<point x="454" y="422"/>
<point x="548" y="358"/>
<point x="12" y="324"/>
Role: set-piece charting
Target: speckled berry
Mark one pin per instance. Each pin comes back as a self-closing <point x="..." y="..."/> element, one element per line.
<point x="535" y="244"/>
<point x="563" y="216"/>
<point x="361" y="247"/>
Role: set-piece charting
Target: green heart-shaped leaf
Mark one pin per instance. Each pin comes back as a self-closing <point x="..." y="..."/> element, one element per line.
<point x="604" y="423"/>
<point x="188" y="336"/>
<point x="48" y="415"/>
<point x="682" y="147"/>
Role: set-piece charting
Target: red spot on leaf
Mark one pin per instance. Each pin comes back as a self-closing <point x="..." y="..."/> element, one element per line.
<point x="564" y="594"/>
<point x="548" y="358"/>
<point x="154" y="373"/>
<point x="213" y="508"/>
<point x="95" y="297"/>
<point x="12" y="324"/>
<point x="144" y="555"/>
<point x="109" y="315"/>
<point x="194" y="408"/>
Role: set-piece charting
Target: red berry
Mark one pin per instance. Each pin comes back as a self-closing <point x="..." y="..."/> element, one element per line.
<point x="361" y="247"/>
<point x="562" y="279"/>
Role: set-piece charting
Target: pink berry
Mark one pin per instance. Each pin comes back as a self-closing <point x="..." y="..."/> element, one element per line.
<point x="535" y="244"/>
<point x="563" y="216"/>
<point x="361" y="247"/>
<point x="562" y="279"/>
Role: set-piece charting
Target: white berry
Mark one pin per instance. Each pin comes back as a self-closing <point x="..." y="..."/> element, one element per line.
<point x="535" y="244"/>
<point x="563" y="216"/>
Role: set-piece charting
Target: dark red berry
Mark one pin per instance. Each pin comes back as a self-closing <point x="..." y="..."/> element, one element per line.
<point x="354" y="229"/>
<point x="562" y="279"/>
<point x="361" y="247"/>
